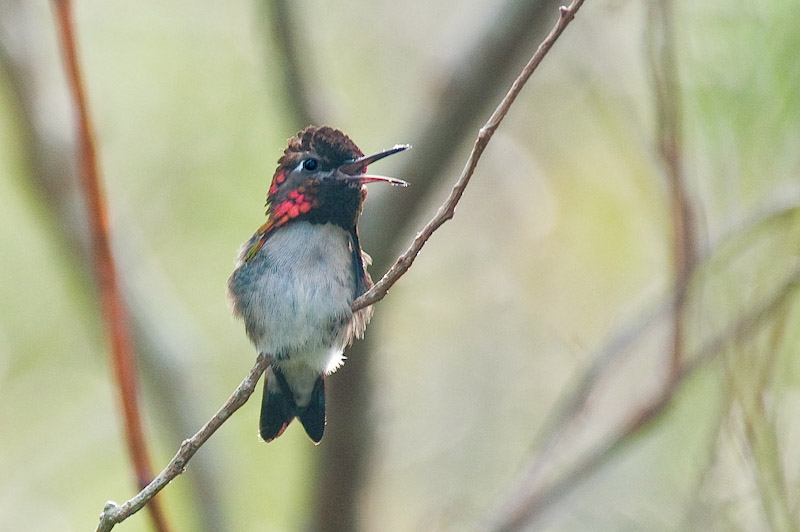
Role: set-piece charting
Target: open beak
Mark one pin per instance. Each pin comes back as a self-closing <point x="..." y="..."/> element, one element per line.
<point x="352" y="171"/>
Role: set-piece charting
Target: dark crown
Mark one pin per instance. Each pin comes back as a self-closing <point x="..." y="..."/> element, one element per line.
<point x="330" y="144"/>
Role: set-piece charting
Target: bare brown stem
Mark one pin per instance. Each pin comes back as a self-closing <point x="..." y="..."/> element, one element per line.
<point x="161" y="340"/>
<point x="669" y="146"/>
<point x="111" y="304"/>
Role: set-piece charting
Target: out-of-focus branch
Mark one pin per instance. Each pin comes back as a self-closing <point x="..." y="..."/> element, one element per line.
<point x="524" y="507"/>
<point x="669" y="130"/>
<point x="765" y="361"/>
<point x="669" y="140"/>
<point x="762" y="442"/>
<point x="111" y="305"/>
<point x="114" y="513"/>
<point x="527" y="495"/>
<point x="570" y="407"/>
<point x="162" y="341"/>
<point x="299" y="100"/>
<point x="749" y="373"/>
<point x="782" y="206"/>
<point x="573" y="402"/>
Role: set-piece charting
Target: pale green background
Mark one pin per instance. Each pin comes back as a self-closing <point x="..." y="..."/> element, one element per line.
<point x="563" y="236"/>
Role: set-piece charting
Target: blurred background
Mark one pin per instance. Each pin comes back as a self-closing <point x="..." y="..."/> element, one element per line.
<point x="519" y="375"/>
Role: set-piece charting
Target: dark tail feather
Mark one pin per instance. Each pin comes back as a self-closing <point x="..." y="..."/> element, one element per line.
<point x="278" y="408"/>
<point x="313" y="416"/>
<point x="277" y="405"/>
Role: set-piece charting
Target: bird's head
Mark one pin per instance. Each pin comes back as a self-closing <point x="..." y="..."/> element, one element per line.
<point x="321" y="177"/>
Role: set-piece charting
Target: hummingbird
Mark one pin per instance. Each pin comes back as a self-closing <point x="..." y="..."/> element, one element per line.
<point x="296" y="277"/>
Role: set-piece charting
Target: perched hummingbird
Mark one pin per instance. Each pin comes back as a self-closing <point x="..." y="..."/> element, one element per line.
<point x="298" y="274"/>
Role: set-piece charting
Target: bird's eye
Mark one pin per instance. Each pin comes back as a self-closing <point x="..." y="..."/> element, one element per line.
<point x="310" y="165"/>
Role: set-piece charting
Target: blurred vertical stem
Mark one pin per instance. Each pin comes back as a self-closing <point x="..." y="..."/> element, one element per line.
<point x="112" y="307"/>
<point x="163" y="340"/>
<point x="763" y="442"/>
<point x="287" y="48"/>
<point x="750" y="372"/>
<point x="669" y="146"/>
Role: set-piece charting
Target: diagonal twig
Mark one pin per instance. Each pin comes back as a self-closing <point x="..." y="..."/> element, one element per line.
<point x="465" y="95"/>
<point x="114" y="513"/>
<point x="448" y="208"/>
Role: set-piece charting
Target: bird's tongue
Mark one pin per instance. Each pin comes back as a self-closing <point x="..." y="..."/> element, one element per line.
<point x="368" y="178"/>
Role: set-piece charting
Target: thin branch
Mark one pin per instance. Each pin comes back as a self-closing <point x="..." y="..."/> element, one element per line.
<point x="114" y="513"/>
<point x="111" y="305"/>
<point x="529" y="505"/>
<point x="465" y="95"/>
<point x="448" y="208"/>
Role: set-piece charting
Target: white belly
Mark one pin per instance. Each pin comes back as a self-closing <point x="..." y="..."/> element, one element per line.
<point x="295" y="296"/>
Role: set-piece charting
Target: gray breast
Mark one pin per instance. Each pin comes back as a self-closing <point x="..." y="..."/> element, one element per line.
<point x="295" y="294"/>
